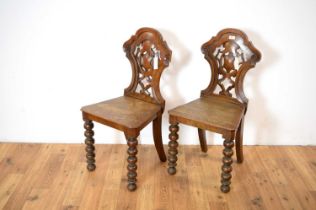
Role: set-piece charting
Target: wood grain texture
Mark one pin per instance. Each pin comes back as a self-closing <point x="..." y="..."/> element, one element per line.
<point x="123" y="112"/>
<point x="210" y="113"/>
<point x="53" y="176"/>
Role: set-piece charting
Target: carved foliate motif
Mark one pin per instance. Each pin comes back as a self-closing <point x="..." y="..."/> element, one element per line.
<point x="229" y="58"/>
<point x="230" y="55"/>
<point x="147" y="56"/>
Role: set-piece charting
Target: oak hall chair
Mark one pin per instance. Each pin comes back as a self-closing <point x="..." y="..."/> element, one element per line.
<point x="222" y="106"/>
<point x="142" y="102"/>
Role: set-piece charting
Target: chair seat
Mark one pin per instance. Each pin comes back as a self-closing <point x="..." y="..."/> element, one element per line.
<point x="214" y="113"/>
<point x="122" y="113"/>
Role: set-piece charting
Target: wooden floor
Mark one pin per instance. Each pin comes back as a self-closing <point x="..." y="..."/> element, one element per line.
<point x="54" y="176"/>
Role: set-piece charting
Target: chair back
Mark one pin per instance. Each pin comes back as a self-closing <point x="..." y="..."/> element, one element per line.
<point x="149" y="55"/>
<point x="230" y="55"/>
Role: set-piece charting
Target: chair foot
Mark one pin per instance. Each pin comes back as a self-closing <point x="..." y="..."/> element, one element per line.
<point x="227" y="168"/>
<point x="89" y="141"/>
<point x="240" y="159"/>
<point x="172" y="170"/>
<point x="173" y="151"/>
<point x="225" y="189"/>
<point x="91" y="167"/>
<point x="131" y="187"/>
<point x="132" y="159"/>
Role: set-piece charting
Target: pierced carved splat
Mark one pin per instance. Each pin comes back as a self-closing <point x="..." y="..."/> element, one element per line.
<point x="230" y="55"/>
<point x="229" y="58"/>
<point x="149" y="55"/>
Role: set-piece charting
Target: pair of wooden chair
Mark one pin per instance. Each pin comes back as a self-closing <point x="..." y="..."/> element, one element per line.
<point x="230" y="55"/>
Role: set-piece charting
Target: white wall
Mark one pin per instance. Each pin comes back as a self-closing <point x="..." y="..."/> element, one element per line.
<point x="56" y="56"/>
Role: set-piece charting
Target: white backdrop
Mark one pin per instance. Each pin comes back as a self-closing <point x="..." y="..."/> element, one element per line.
<point x="56" y="56"/>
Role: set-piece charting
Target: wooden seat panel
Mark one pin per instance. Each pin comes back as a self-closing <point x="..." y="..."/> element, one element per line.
<point x="123" y="112"/>
<point x="218" y="113"/>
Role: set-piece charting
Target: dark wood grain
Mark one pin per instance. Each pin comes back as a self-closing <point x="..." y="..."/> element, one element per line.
<point x="142" y="102"/>
<point x="222" y="105"/>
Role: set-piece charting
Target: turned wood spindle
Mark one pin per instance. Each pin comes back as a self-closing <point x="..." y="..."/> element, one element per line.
<point x="227" y="168"/>
<point x="132" y="159"/>
<point x="173" y="151"/>
<point x="89" y="141"/>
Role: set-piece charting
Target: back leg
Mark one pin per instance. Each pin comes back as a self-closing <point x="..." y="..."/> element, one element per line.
<point x="239" y="142"/>
<point x="158" y="138"/>
<point x="202" y="138"/>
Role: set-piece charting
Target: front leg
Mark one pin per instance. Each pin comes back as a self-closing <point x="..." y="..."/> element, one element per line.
<point x="131" y="159"/>
<point x="89" y="141"/>
<point x="173" y="151"/>
<point x="227" y="162"/>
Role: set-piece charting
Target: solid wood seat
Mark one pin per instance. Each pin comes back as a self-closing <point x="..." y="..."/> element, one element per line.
<point x="219" y="113"/>
<point x="141" y="104"/>
<point x="219" y="109"/>
<point x="123" y="113"/>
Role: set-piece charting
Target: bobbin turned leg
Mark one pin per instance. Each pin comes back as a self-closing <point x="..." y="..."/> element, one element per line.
<point x="89" y="141"/>
<point x="227" y="162"/>
<point x="173" y="151"/>
<point x="131" y="159"/>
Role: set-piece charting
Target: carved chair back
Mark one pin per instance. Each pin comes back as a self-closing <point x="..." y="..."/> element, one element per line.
<point x="149" y="55"/>
<point x="230" y="55"/>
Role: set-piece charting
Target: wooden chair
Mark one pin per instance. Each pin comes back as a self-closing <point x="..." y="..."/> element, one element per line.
<point x="230" y="55"/>
<point x="142" y="102"/>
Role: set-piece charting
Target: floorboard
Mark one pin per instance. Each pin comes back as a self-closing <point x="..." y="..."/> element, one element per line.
<point x="54" y="176"/>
